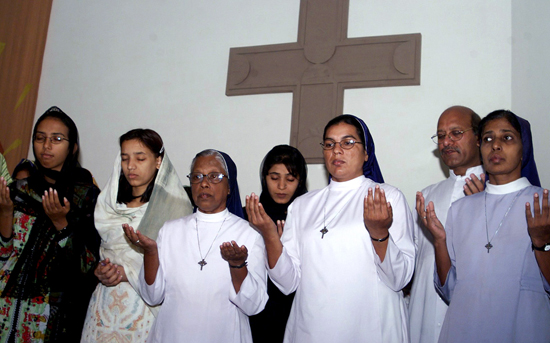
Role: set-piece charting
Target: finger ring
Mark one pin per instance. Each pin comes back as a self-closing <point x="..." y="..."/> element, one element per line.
<point x="422" y="217"/>
<point x="138" y="239"/>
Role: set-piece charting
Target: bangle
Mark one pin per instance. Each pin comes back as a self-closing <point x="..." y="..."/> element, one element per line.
<point x="544" y="248"/>
<point x="239" y="266"/>
<point x="381" y="239"/>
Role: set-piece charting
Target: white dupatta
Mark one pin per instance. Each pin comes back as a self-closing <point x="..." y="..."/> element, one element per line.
<point x="168" y="201"/>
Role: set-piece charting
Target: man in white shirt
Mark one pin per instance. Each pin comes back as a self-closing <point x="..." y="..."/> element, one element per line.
<point x="458" y="144"/>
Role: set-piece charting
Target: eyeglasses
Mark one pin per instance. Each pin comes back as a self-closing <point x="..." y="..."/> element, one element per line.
<point x="345" y="144"/>
<point x="211" y="177"/>
<point x="454" y="135"/>
<point x="54" y="139"/>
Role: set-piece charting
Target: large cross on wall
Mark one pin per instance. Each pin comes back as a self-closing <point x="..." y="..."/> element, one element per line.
<point x="319" y="66"/>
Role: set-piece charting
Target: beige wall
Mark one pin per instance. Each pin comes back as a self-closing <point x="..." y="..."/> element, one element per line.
<point x="114" y="66"/>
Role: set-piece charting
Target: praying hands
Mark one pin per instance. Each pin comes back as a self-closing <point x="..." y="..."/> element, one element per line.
<point x="428" y="217"/>
<point x="270" y="231"/>
<point x="260" y="219"/>
<point x="233" y="254"/>
<point x="150" y="252"/>
<point x="377" y="214"/>
<point x="6" y="210"/>
<point x="538" y="223"/>
<point x="431" y="222"/>
<point x="378" y="217"/>
<point x="236" y="257"/>
<point x="54" y="210"/>
<point x="538" y="226"/>
<point x="140" y="240"/>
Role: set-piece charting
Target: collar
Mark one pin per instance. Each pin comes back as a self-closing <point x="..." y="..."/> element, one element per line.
<point x="353" y="183"/>
<point x="212" y="217"/>
<point x="472" y="170"/>
<point x="510" y="187"/>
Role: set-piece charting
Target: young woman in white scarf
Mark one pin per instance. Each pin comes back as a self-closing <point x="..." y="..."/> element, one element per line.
<point x="144" y="191"/>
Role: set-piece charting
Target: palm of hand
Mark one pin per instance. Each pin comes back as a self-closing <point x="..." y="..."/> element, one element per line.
<point x="232" y="253"/>
<point x="538" y="223"/>
<point x="377" y="212"/>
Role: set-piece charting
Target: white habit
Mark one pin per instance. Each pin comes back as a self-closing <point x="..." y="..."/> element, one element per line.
<point x="201" y="305"/>
<point x="343" y="292"/>
<point x="427" y="309"/>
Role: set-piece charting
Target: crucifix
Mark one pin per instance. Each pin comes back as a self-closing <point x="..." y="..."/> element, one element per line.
<point x="202" y="263"/>
<point x="323" y="231"/>
<point x="319" y="66"/>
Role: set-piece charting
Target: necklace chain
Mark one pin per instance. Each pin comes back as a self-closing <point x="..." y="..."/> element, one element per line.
<point x="324" y="230"/>
<point x="489" y="245"/>
<point x="202" y="262"/>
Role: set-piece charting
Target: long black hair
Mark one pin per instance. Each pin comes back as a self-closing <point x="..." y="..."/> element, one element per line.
<point x="293" y="161"/>
<point x="296" y="165"/>
<point x="153" y="142"/>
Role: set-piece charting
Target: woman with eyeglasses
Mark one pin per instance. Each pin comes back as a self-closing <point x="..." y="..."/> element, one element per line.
<point x="493" y="256"/>
<point x="283" y="176"/>
<point x="347" y="249"/>
<point x="207" y="269"/>
<point x="144" y="191"/>
<point x="48" y="245"/>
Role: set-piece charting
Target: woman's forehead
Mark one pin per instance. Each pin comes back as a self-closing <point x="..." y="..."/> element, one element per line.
<point x="499" y="124"/>
<point x="52" y="125"/>
<point x="342" y="130"/>
<point x="134" y="146"/>
<point x="210" y="163"/>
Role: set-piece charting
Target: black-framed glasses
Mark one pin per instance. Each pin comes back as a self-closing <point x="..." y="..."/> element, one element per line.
<point x="345" y="144"/>
<point x="54" y="139"/>
<point x="210" y="177"/>
<point x="454" y="135"/>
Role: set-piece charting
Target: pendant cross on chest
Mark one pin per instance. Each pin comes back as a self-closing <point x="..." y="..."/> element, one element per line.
<point x="488" y="246"/>
<point x="323" y="231"/>
<point x="202" y="263"/>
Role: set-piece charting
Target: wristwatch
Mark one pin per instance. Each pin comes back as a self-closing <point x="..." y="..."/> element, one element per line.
<point x="545" y="247"/>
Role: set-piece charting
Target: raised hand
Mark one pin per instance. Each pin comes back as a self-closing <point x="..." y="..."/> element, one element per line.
<point x="474" y="185"/>
<point x="377" y="213"/>
<point x="6" y="210"/>
<point x="538" y="223"/>
<point x="270" y="231"/>
<point x="259" y="219"/>
<point x="280" y="227"/>
<point x="233" y="254"/>
<point x="428" y="217"/>
<point x="6" y="205"/>
<point x="140" y="240"/>
<point x="54" y="210"/>
<point x="109" y="273"/>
